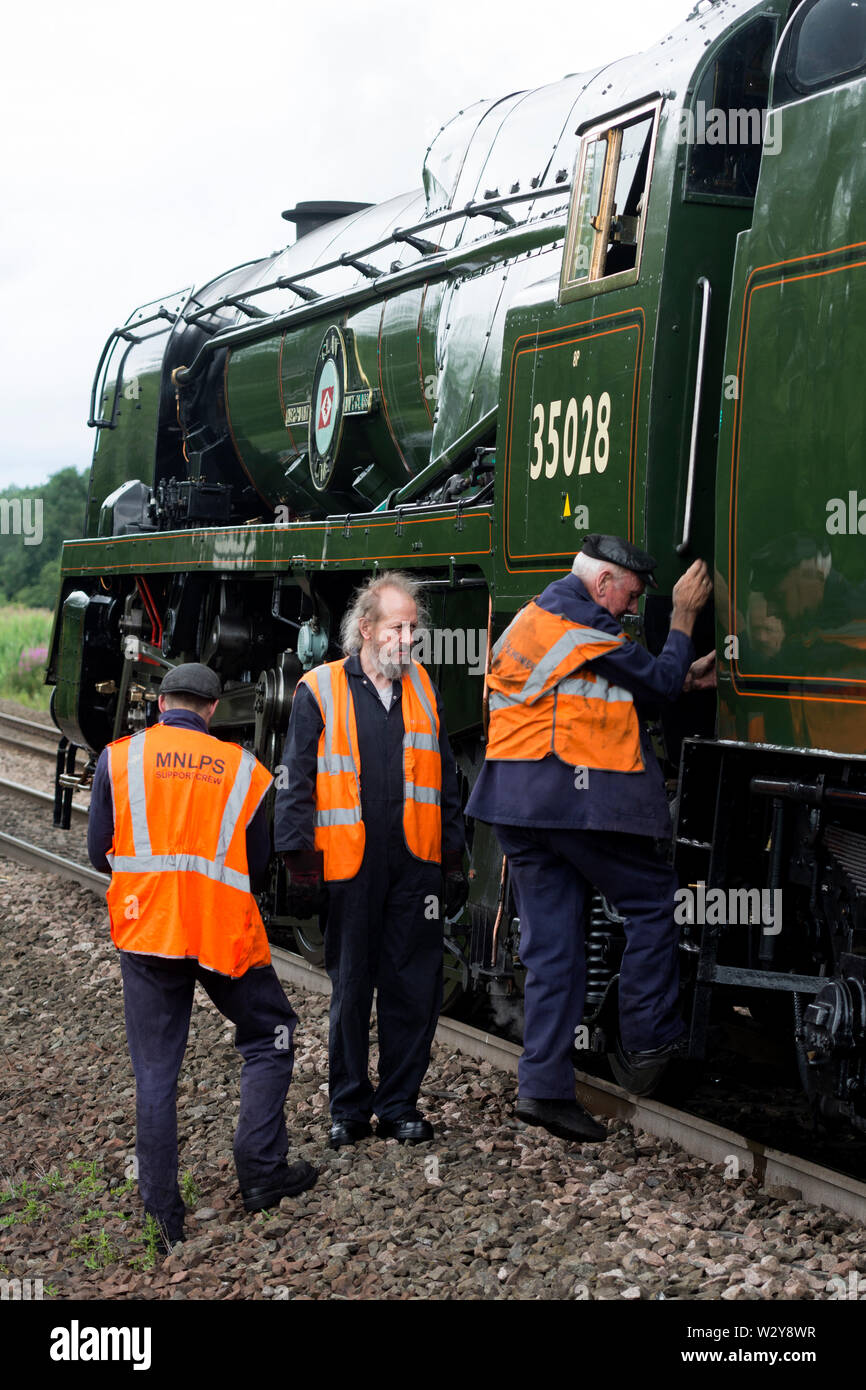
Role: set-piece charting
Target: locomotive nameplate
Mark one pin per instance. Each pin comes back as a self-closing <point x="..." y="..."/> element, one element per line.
<point x="298" y="414"/>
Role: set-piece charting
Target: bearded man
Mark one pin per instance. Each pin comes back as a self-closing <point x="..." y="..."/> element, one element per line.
<point x="371" y="832"/>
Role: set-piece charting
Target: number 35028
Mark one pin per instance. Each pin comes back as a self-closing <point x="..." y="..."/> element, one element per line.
<point x="562" y="436"/>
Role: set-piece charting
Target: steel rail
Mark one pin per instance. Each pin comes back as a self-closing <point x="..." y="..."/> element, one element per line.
<point x="36" y="749"/>
<point x="766" y="1166"/>
<point x="30" y="725"/>
<point x="19" y="789"/>
<point x="36" y="857"/>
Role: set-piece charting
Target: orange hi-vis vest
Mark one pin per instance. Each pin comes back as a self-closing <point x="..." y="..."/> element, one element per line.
<point x="340" y="831"/>
<point x="180" y="882"/>
<point x="544" y="698"/>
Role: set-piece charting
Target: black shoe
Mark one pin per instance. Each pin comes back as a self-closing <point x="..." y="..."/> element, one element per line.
<point x="348" y="1132"/>
<point x="564" y="1118"/>
<point x="655" y="1056"/>
<point x="411" y="1129"/>
<point x="297" y="1178"/>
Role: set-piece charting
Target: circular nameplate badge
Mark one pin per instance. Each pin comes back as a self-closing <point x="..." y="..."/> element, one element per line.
<point x="326" y="412"/>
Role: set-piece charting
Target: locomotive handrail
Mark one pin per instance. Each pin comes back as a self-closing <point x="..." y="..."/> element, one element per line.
<point x="491" y="207"/>
<point x="132" y="339"/>
<point x="706" y="288"/>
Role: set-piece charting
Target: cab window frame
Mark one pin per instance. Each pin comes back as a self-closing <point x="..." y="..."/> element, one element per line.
<point x="609" y="127"/>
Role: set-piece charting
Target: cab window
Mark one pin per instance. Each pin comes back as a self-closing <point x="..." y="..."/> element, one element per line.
<point x="825" y="45"/>
<point x="608" y="209"/>
<point x="724" y="127"/>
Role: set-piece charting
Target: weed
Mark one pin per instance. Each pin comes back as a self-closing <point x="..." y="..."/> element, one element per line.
<point x="98" y="1249"/>
<point x="96" y="1214"/>
<point x="189" y="1189"/>
<point x="34" y="1210"/>
<point x="91" y="1177"/>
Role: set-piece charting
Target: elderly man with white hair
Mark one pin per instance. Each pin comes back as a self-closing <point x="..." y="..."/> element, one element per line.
<point x="370" y="828"/>
<point x="577" y="799"/>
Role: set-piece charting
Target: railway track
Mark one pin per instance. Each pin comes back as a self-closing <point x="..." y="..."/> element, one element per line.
<point x="698" y="1136"/>
<point x="31" y="794"/>
<point x="20" y="734"/>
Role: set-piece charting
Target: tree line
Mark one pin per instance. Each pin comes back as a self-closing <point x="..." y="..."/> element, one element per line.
<point x="34" y="523"/>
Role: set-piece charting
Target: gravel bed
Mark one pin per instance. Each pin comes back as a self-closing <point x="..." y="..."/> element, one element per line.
<point x="38" y="716"/>
<point x="489" y="1210"/>
<point x="31" y="820"/>
<point x="29" y="768"/>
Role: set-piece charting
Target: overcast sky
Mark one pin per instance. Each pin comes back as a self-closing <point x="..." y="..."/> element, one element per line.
<point x="147" y="148"/>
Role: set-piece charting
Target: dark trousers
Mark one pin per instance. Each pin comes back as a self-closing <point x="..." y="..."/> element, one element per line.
<point x="552" y="873"/>
<point x="383" y="930"/>
<point x="157" y="997"/>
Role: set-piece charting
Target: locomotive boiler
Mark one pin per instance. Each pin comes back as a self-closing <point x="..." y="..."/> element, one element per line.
<point x="627" y="302"/>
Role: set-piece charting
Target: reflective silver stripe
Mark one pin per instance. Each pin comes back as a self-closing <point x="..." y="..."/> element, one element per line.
<point x="430" y="795"/>
<point x="234" y="804"/>
<point x="339" y="817"/>
<point x="599" y="689"/>
<point x="500" y="701"/>
<point x="180" y="864"/>
<point x="136" y="792"/>
<point x="562" y="647"/>
<point x="331" y="762"/>
<point x="326" y="695"/>
<point x="414" y="740"/>
<point x="335" y="762"/>
<point x="415" y="678"/>
<point x="349" y="707"/>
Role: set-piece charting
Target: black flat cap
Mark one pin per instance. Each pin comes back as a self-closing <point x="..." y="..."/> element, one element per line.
<point x="192" y="679"/>
<point x="620" y="552"/>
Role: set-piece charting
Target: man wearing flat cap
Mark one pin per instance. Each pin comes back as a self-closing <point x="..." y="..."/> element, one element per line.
<point x="576" y="797"/>
<point x="178" y="818"/>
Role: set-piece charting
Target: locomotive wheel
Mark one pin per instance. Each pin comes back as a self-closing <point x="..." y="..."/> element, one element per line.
<point x="668" y="1080"/>
<point x="640" y="1083"/>
<point x="310" y="940"/>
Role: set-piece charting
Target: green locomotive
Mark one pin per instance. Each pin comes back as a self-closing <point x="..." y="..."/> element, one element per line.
<point x="627" y="302"/>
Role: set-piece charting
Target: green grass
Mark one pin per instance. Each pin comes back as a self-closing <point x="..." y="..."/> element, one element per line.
<point x="22" y="632"/>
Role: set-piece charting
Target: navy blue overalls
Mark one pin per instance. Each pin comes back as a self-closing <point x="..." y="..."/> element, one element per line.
<point x="381" y="927"/>
<point x="564" y="833"/>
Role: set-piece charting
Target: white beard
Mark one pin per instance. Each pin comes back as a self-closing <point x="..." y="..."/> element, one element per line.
<point x="391" y="670"/>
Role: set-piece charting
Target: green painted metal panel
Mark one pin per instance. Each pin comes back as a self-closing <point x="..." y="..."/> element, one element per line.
<point x="791" y="560"/>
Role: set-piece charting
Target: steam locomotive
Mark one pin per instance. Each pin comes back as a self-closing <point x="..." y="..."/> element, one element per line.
<point x="627" y="302"/>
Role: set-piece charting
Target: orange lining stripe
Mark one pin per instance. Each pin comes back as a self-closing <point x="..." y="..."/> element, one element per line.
<point x="258" y="530"/>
